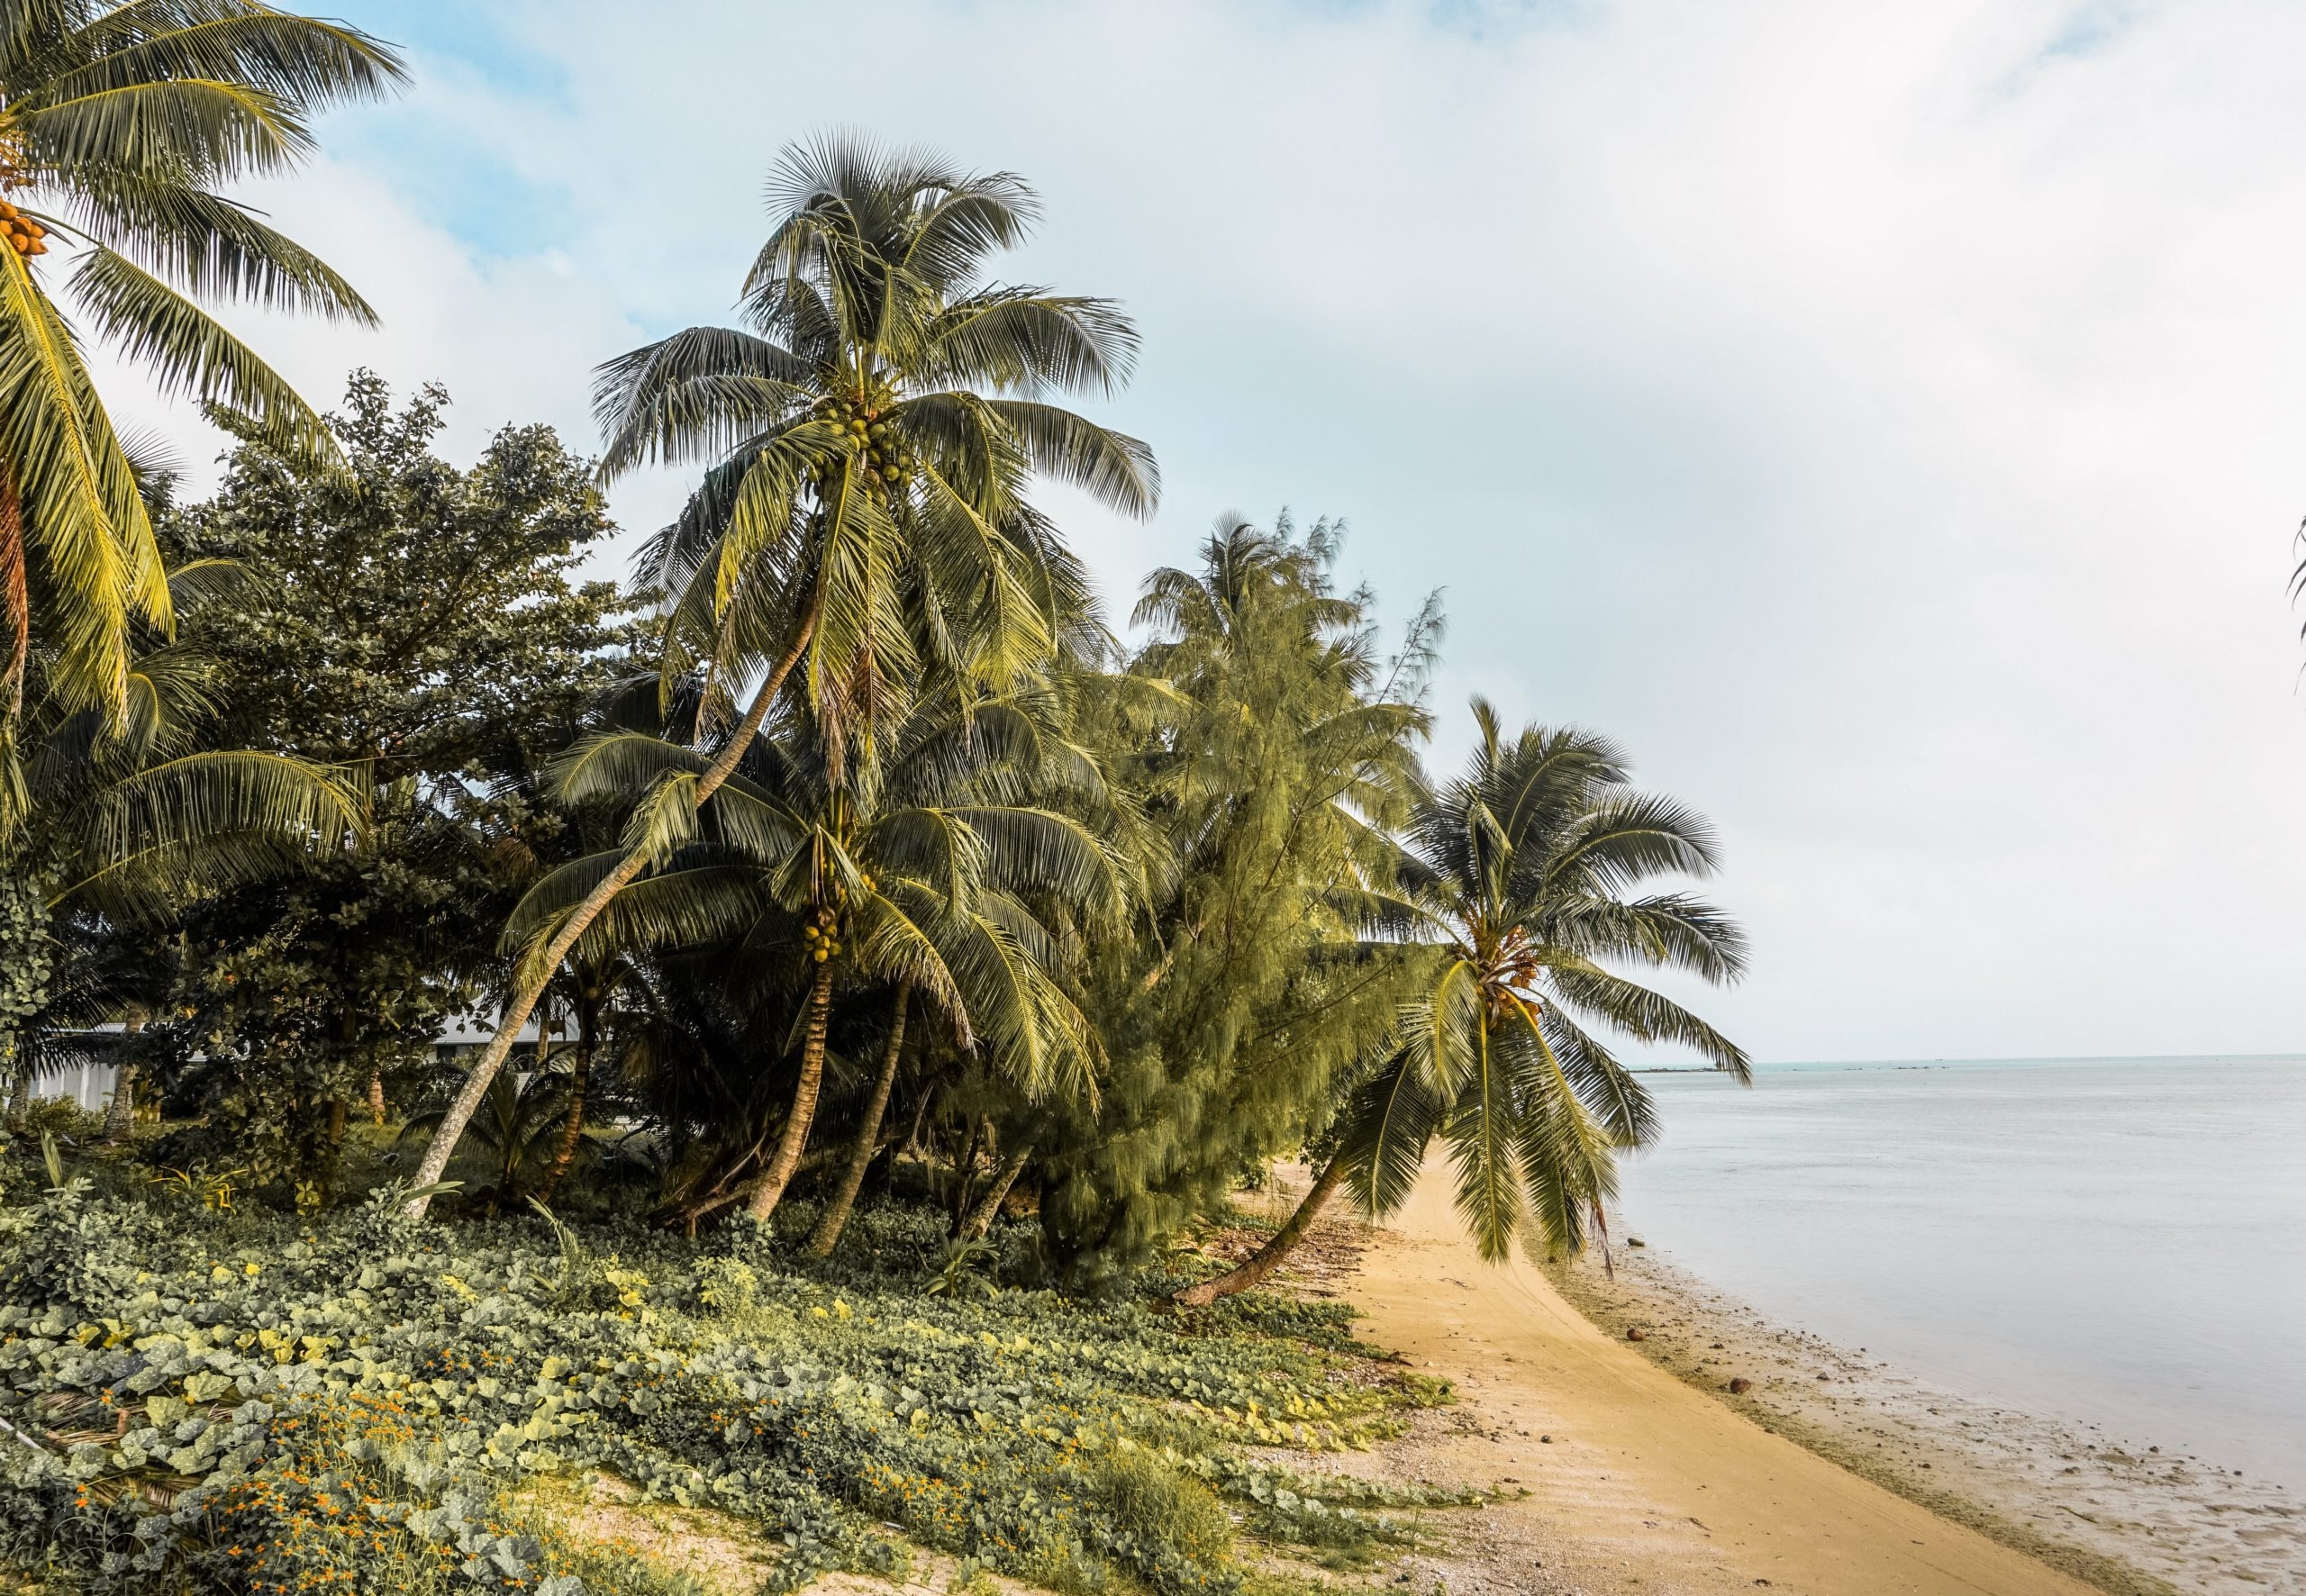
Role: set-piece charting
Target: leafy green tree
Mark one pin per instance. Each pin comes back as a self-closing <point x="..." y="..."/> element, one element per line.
<point x="121" y="122"/>
<point x="423" y="629"/>
<point x="870" y="436"/>
<point x="1522" y="879"/>
<point x="1268" y="748"/>
<point x="127" y="822"/>
<point x="909" y="872"/>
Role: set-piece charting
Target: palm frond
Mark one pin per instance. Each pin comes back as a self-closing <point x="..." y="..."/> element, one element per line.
<point x="188" y="352"/>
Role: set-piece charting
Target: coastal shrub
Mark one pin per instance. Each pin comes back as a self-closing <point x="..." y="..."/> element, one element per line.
<point x="1147" y="1497"/>
<point x="252" y="1402"/>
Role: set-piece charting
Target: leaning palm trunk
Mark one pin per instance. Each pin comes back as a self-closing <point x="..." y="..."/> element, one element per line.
<point x="443" y="1144"/>
<point x="868" y="1138"/>
<point x="1263" y="1262"/>
<point x="980" y="1219"/>
<point x="771" y="1189"/>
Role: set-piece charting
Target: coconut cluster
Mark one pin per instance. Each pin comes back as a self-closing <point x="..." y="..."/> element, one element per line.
<point x="25" y="236"/>
<point x="823" y="938"/>
<point x="889" y="465"/>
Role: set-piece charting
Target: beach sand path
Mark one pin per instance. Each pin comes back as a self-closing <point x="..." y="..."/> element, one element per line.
<point x="1645" y="1483"/>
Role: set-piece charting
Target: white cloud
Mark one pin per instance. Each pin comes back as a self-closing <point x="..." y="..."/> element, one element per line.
<point x="1883" y="418"/>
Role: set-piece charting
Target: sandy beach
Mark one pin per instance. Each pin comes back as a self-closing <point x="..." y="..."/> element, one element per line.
<point x="1639" y="1479"/>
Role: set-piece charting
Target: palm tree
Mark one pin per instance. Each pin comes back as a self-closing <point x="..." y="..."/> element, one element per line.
<point x="1519" y="876"/>
<point x="870" y="438"/>
<point x="126" y="821"/>
<point x="520" y="1130"/>
<point x="118" y="122"/>
<point x="914" y="874"/>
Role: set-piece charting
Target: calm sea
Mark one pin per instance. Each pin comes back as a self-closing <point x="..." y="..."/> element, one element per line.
<point x="2117" y="1241"/>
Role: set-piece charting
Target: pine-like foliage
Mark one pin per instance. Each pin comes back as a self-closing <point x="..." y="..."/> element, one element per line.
<point x="1268" y="751"/>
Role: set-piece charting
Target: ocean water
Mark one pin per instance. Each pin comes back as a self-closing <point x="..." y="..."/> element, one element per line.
<point x="2117" y="1242"/>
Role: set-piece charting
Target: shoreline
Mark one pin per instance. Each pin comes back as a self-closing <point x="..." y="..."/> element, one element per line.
<point x="2125" y="1519"/>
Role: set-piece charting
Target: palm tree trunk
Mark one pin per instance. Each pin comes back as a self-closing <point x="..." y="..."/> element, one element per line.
<point x="868" y="1138"/>
<point x="988" y="1208"/>
<point x="443" y="1144"/>
<point x="572" y="1128"/>
<point x="965" y="1173"/>
<point x="120" y="1114"/>
<point x="771" y="1189"/>
<point x="376" y="1097"/>
<point x="1268" y="1258"/>
<point x="15" y="597"/>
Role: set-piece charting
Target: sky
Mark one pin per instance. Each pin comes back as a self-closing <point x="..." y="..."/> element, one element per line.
<point x="1887" y="421"/>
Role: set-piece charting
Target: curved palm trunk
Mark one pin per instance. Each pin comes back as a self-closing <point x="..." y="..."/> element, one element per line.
<point x="443" y="1144"/>
<point x="988" y="1208"/>
<point x="1270" y="1256"/>
<point x="771" y="1189"/>
<point x="868" y="1138"/>
<point x="572" y="1128"/>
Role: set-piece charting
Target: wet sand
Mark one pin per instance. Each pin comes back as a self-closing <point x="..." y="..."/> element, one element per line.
<point x="2099" y="1504"/>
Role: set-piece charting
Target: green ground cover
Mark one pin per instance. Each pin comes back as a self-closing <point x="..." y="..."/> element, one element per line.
<point x="200" y="1401"/>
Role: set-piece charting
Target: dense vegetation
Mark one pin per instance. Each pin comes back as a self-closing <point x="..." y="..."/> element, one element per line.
<point x="249" y="1403"/>
<point x="880" y="964"/>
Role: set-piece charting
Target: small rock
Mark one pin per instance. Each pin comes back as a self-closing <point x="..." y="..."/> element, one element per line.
<point x="1546" y="1440"/>
<point x="1635" y="1241"/>
<point x="1740" y="1386"/>
<point x="1639" y="1334"/>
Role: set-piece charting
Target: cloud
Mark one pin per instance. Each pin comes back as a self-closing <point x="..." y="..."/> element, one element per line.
<point x="1882" y="419"/>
